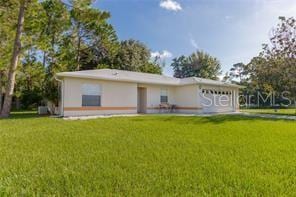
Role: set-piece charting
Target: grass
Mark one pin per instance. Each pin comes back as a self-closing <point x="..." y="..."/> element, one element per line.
<point x="149" y="155"/>
<point x="288" y="112"/>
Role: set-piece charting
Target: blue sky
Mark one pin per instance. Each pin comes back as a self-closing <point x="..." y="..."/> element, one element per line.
<point x="231" y="30"/>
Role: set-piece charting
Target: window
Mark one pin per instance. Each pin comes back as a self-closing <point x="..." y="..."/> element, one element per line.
<point x="91" y="95"/>
<point x="163" y="96"/>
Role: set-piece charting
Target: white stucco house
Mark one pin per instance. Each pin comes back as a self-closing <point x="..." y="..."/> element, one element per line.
<point x="109" y="91"/>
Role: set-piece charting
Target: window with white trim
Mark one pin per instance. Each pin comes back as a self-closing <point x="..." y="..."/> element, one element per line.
<point x="91" y="95"/>
<point x="164" y="96"/>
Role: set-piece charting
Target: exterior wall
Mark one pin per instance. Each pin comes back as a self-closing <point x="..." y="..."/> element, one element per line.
<point x="186" y="99"/>
<point x="233" y="97"/>
<point x="236" y="99"/>
<point x="116" y="97"/>
<point x="153" y="96"/>
<point x="122" y="97"/>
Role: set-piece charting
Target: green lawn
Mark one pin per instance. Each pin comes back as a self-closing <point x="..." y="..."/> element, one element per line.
<point x="148" y="155"/>
<point x="289" y="112"/>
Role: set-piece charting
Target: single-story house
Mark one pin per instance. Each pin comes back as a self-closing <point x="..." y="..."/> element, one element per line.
<point x="109" y="91"/>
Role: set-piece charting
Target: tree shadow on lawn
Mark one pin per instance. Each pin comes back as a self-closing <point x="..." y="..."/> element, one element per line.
<point x="216" y="119"/>
<point x="24" y="115"/>
<point x="269" y="113"/>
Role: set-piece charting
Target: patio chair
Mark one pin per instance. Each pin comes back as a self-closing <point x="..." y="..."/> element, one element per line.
<point x="169" y="108"/>
<point x="164" y="106"/>
<point x="173" y="108"/>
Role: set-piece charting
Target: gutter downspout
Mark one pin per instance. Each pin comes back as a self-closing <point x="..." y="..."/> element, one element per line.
<point x="62" y="95"/>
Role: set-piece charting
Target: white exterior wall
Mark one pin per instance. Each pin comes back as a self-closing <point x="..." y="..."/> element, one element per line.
<point x="233" y="97"/>
<point x="184" y="97"/>
<point x="116" y="97"/>
<point x="236" y="99"/>
<point x="121" y="97"/>
<point x="187" y="99"/>
<point x="153" y="96"/>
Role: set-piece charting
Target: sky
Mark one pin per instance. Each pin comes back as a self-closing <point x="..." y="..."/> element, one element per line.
<point x="231" y="30"/>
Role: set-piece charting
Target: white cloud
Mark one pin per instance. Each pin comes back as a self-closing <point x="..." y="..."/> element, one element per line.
<point x="193" y="43"/>
<point x="161" y="55"/>
<point x="170" y="5"/>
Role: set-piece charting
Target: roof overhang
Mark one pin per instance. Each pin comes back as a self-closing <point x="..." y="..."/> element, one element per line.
<point x="63" y="75"/>
<point x="113" y="78"/>
<point x="169" y="81"/>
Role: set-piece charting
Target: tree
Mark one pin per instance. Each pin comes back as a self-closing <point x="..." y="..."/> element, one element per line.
<point x="7" y="21"/>
<point x="238" y="71"/>
<point x="84" y="41"/>
<point x="52" y="32"/>
<point x="56" y="22"/>
<point x="30" y="82"/>
<point x="92" y="38"/>
<point x="179" y="64"/>
<point x="274" y="69"/>
<point x="227" y="77"/>
<point x="135" y="56"/>
<point x="14" y="61"/>
<point x="199" y="64"/>
<point x="281" y="55"/>
<point x="58" y="36"/>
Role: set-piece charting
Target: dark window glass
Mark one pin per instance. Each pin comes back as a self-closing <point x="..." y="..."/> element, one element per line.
<point x="163" y="99"/>
<point x="91" y="100"/>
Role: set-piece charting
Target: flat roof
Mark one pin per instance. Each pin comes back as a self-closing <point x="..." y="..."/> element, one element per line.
<point x="139" y="77"/>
